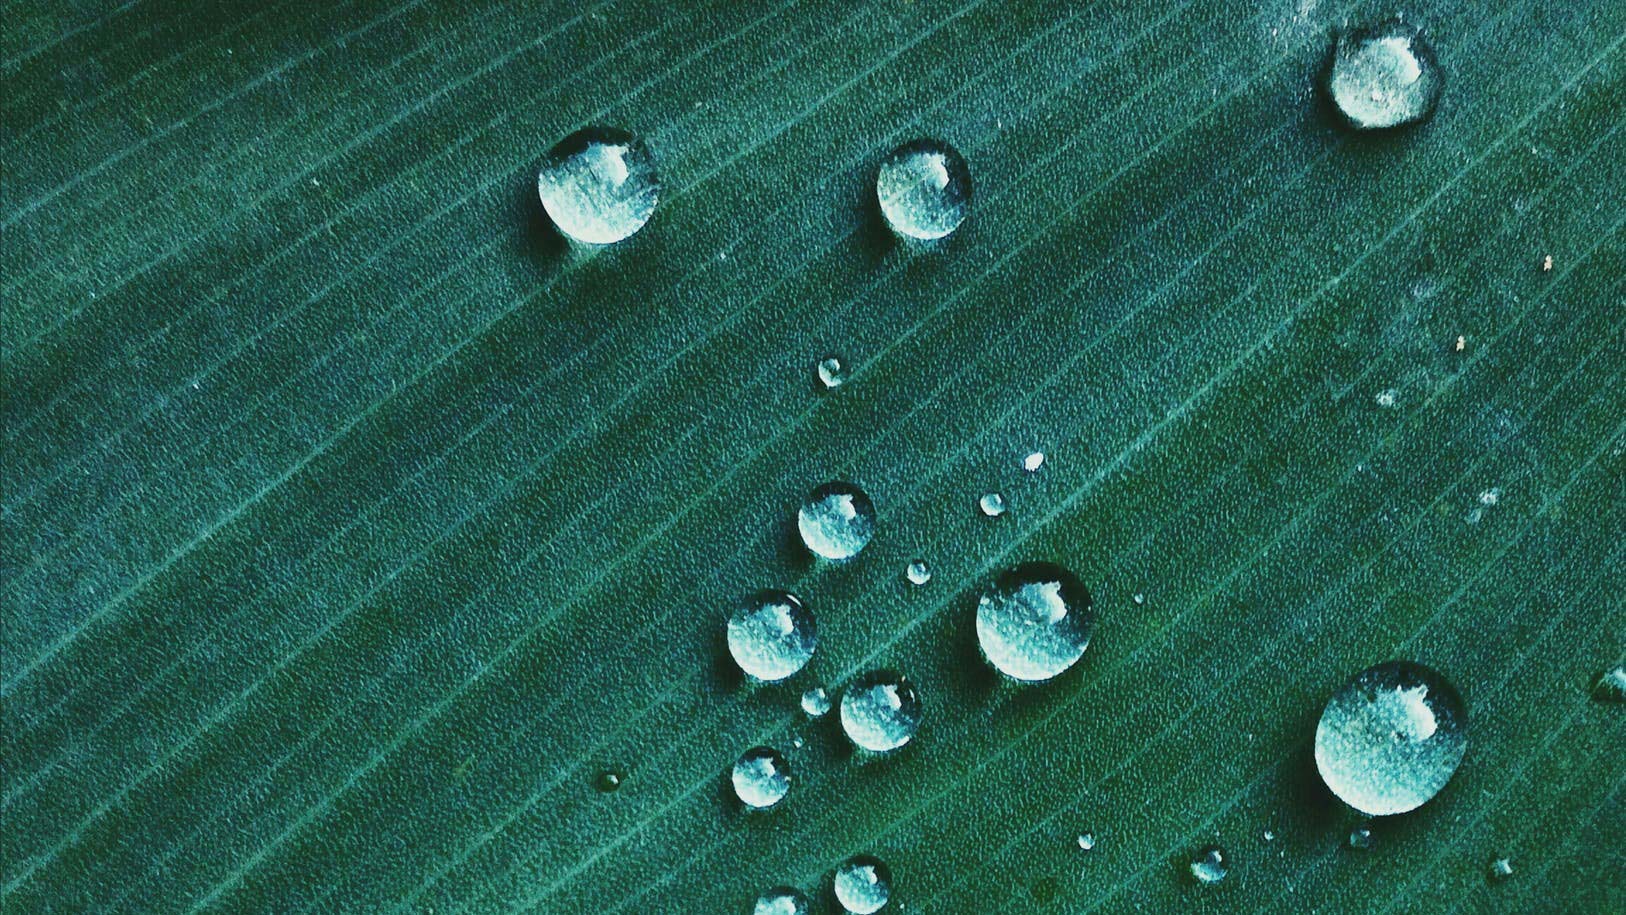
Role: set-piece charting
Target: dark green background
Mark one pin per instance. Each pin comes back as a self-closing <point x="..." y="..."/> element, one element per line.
<point x="353" y="524"/>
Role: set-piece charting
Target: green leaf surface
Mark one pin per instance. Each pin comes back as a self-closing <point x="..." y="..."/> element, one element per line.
<point x="354" y="524"/>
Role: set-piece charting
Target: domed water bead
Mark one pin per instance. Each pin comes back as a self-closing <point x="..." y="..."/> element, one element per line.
<point x="1034" y="621"/>
<point x="1390" y="738"/>
<point x="831" y="372"/>
<point x="881" y="711"/>
<point x="836" y="521"/>
<point x="761" y="778"/>
<point x="781" y="900"/>
<point x="1611" y="686"/>
<point x="924" y="188"/>
<point x="1209" y="865"/>
<point x="992" y="504"/>
<point x="863" y="884"/>
<point x="1383" y="77"/>
<point x="599" y="185"/>
<point x="918" y="572"/>
<point x="815" y="702"/>
<point x="772" y="635"/>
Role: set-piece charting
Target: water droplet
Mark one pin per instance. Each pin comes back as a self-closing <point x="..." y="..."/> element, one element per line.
<point x="1033" y="461"/>
<point x="1391" y="738"/>
<point x="609" y="779"/>
<point x="816" y="702"/>
<point x="1086" y="841"/>
<point x="880" y="711"/>
<point x="761" y="777"/>
<point x="1501" y="869"/>
<point x="772" y="635"/>
<point x="863" y="884"/>
<point x="1270" y="836"/>
<point x="1361" y="837"/>
<point x="831" y="372"/>
<point x="1490" y="496"/>
<point x="918" y="572"/>
<point x="924" y="188"/>
<point x="837" y="520"/>
<point x="1387" y="398"/>
<point x="599" y="185"/>
<point x="1208" y="865"/>
<point x="992" y="504"/>
<point x="781" y="900"/>
<point x="1384" y="77"/>
<point x="1611" y="687"/>
<point x="1034" y="621"/>
<point x="1139" y="599"/>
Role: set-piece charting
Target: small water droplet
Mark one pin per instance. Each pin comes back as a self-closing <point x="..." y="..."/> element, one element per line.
<point x="881" y="711"/>
<point x="1384" y="77"/>
<point x="924" y="188"/>
<point x="772" y="635"/>
<point x="1361" y="837"/>
<point x="1139" y="599"/>
<point x="1390" y="738"/>
<point x="1034" y="621"/>
<point x="837" y="520"/>
<point x="1033" y="461"/>
<point x="831" y="372"/>
<point x="781" y="900"/>
<point x="609" y="779"/>
<point x="798" y="742"/>
<point x="1270" y="836"/>
<point x="1611" y="686"/>
<point x="761" y="777"/>
<point x="1501" y="869"/>
<point x="863" y="884"/>
<point x="816" y="702"/>
<point x="1490" y="496"/>
<point x="599" y="185"/>
<point x="1387" y="398"/>
<point x="1208" y="865"/>
<point x="992" y="504"/>
<point x="1086" y="841"/>
<point x="918" y="572"/>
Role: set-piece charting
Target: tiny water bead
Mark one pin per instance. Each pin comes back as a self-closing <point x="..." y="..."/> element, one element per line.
<point x="781" y="900"/>
<point x="992" y="504"/>
<point x="772" y="635"/>
<point x="1501" y="869"/>
<point x="1033" y="461"/>
<point x="608" y="780"/>
<point x="599" y="185"/>
<point x="863" y="884"/>
<point x="816" y="702"/>
<point x="1384" y="77"/>
<point x="1611" y="687"/>
<point x="831" y="372"/>
<point x="1086" y="841"/>
<point x="1034" y="621"/>
<point x="918" y="572"/>
<point x="1209" y="866"/>
<point x="881" y="711"/>
<point x="1361" y="837"/>
<point x="837" y="520"/>
<point x="761" y="778"/>
<point x="1391" y="737"/>
<point x="924" y="188"/>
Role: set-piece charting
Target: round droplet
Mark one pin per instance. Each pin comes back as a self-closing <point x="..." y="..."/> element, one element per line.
<point x="1501" y="869"/>
<point x="1270" y="836"/>
<point x="761" y="778"/>
<point x="1086" y="841"/>
<point x="772" y="635"/>
<point x="1361" y="837"/>
<point x="880" y="711"/>
<point x="1391" y="738"/>
<point x="836" y="521"/>
<point x="1034" y="621"/>
<point x="1611" y="686"/>
<point x="609" y="779"/>
<point x="1033" y="461"/>
<point x="924" y="188"/>
<point x="1384" y="77"/>
<point x="1208" y="865"/>
<point x="863" y="884"/>
<point x="831" y="372"/>
<point x="816" y="702"/>
<point x="992" y="504"/>
<point x="599" y="185"/>
<point x="781" y="900"/>
<point x="918" y="572"/>
<point x="1387" y="398"/>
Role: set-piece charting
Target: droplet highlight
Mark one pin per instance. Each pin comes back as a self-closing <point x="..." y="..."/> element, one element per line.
<point x="1209" y="865"/>
<point x="772" y="635"/>
<point x="1384" y="77"/>
<point x="924" y="188"/>
<point x="761" y="778"/>
<point x="1390" y="738"/>
<point x="863" y="884"/>
<point x="881" y="711"/>
<point x="599" y="185"/>
<point x="1034" y="621"/>
<point x="836" y="521"/>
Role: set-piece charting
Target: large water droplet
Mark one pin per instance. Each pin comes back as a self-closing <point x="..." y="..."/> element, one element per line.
<point x="831" y="372"/>
<point x="924" y="188"/>
<point x="1611" y="687"/>
<point x="772" y="635"/>
<point x="1208" y="865"/>
<point x="918" y="572"/>
<point x="881" y="711"/>
<point x="863" y="884"/>
<point x="837" y="520"/>
<point x="781" y="900"/>
<point x="1384" y="77"/>
<point x="761" y="777"/>
<point x="1034" y="621"/>
<point x="599" y="185"/>
<point x="1391" y="738"/>
<point x="816" y="702"/>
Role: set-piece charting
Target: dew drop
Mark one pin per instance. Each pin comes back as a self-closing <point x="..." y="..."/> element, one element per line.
<point x="1361" y="837"/>
<point x="781" y="900"/>
<point x="1086" y="841"/>
<point x="1611" y="687"/>
<point x="1208" y="865"/>
<point x="863" y="884"/>
<point x="1501" y="869"/>
<point x="772" y="635"/>
<point x="609" y="780"/>
<point x="599" y="185"/>
<point x="831" y="372"/>
<point x="836" y="521"/>
<point x="881" y="711"/>
<point x="1388" y="398"/>
<point x="1384" y="77"/>
<point x="1139" y="599"/>
<point x="918" y="572"/>
<point x="761" y="778"/>
<point x="1034" y="621"/>
<point x="1490" y="497"/>
<point x="992" y="504"/>
<point x="1033" y="461"/>
<point x="924" y="188"/>
<point x="816" y="702"/>
<point x="1390" y="738"/>
<point x="1270" y="836"/>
